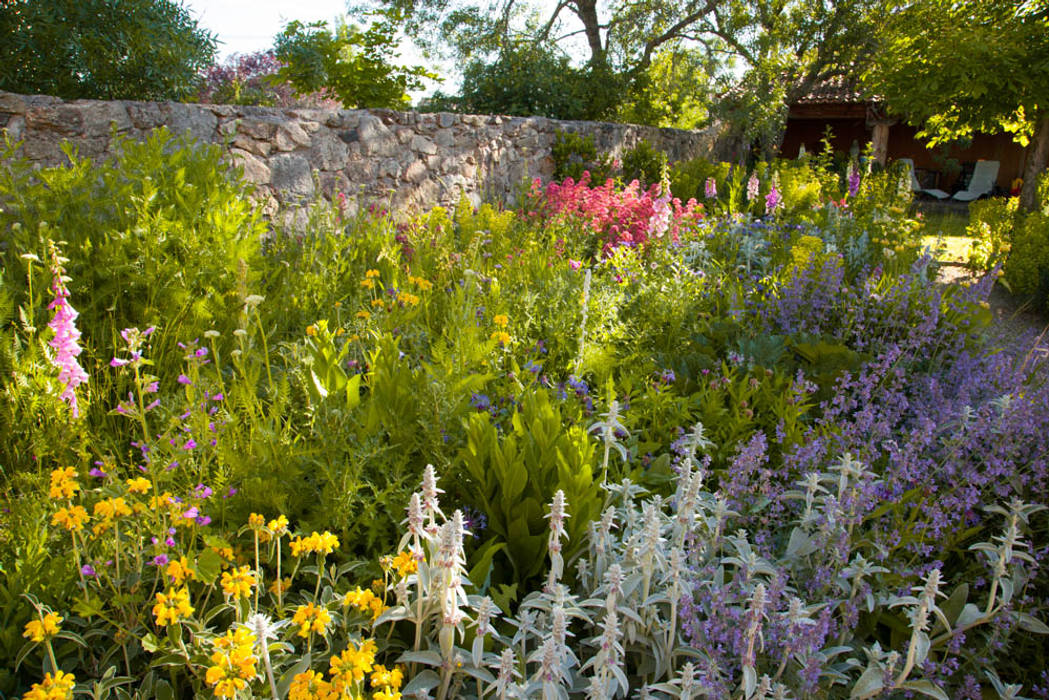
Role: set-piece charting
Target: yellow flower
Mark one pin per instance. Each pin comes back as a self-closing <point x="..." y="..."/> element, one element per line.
<point x="311" y="329"/>
<point x="377" y="302"/>
<point x="407" y="298"/>
<point x="179" y="570"/>
<point x="112" y="508"/>
<point x="387" y="694"/>
<point x="233" y="663"/>
<point x="315" y="543"/>
<point x="421" y="283"/>
<point x="44" y="628"/>
<point x="238" y="582"/>
<point x="371" y="273"/>
<point x="138" y="485"/>
<point x="501" y="337"/>
<point x="256" y="521"/>
<point x="311" y="618"/>
<point x="72" y="518"/>
<point x="278" y="525"/>
<point x="368" y="284"/>
<point x="500" y="320"/>
<point x="381" y="678"/>
<point x="63" y="483"/>
<point x="365" y="601"/>
<point x="364" y="314"/>
<point x="280" y="586"/>
<point x="405" y="564"/>
<point x="351" y="666"/>
<point x="309" y="685"/>
<point x="56" y="687"/>
<point x="172" y="606"/>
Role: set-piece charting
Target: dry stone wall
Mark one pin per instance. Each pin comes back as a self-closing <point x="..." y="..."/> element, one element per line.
<point x="407" y="160"/>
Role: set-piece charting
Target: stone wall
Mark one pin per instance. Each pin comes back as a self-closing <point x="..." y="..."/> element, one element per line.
<point x="406" y="159"/>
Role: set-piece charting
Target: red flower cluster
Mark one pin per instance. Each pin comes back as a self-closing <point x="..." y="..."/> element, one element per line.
<point x="628" y="216"/>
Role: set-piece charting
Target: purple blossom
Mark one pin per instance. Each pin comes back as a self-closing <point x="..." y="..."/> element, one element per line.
<point x="710" y="188"/>
<point x="854" y="181"/>
<point x="773" y="200"/>
<point x="88" y="570"/>
<point x="183" y="379"/>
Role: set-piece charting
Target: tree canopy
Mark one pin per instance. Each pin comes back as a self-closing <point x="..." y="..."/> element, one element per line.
<point x="102" y="49"/>
<point x="956" y="67"/>
<point x="353" y="64"/>
<point x="657" y="58"/>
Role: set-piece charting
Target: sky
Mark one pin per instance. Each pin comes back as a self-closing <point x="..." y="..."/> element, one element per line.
<point x="243" y="26"/>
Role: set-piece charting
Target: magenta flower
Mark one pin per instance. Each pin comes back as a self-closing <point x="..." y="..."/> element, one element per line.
<point x="773" y="200"/>
<point x="66" y="341"/>
<point x="710" y="188"/>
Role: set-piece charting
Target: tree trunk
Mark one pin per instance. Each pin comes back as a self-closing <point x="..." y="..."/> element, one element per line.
<point x="1037" y="155"/>
<point x="586" y="10"/>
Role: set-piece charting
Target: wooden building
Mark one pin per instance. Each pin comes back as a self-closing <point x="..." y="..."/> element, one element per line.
<point x="855" y="121"/>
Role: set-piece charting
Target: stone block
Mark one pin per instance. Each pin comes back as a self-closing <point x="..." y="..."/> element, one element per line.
<point x="291" y="173"/>
<point x="290" y="136"/>
<point x="255" y="168"/>
<point x="375" y="137"/>
<point x="416" y="172"/>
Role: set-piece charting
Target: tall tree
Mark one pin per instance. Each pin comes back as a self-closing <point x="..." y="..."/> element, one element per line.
<point x="103" y="49"/>
<point x="955" y="67"/>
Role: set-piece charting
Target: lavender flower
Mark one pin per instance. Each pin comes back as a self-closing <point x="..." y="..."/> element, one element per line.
<point x="854" y="180"/>
<point x="710" y="188"/>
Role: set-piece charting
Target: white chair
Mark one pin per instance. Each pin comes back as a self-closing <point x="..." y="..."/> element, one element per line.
<point x="985" y="175"/>
<point x="917" y="186"/>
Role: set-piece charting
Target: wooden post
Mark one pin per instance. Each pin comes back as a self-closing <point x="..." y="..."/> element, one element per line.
<point x="880" y="141"/>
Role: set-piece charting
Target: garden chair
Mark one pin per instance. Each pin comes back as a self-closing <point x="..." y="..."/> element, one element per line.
<point x="917" y="186"/>
<point x="983" y="180"/>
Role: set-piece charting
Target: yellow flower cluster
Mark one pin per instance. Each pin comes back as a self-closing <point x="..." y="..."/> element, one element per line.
<point x="107" y="510"/>
<point x="72" y="518"/>
<point x="501" y="337"/>
<point x="139" y="484"/>
<point x="351" y="666"/>
<point x="233" y="663"/>
<point x="368" y="284"/>
<point x="172" y="606"/>
<point x="500" y="320"/>
<point x="179" y="570"/>
<point x="365" y="601"/>
<point x="386" y="684"/>
<point x="407" y="298"/>
<point x="311" y="618"/>
<point x="404" y="563"/>
<point x="63" y="483"/>
<point x="280" y="586"/>
<point x="423" y="284"/>
<point x="238" y="582"/>
<point x="256" y="521"/>
<point x="56" y="687"/>
<point x="377" y="302"/>
<point x="324" y="543"/>
<point x="310" y="685"/>
<point x="44" y="628"/>
<point x="371" y="273"/>
<point x="364" y="314"/>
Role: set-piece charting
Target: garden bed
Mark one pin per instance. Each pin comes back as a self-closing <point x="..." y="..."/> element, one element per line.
<point x="608" y="442"/>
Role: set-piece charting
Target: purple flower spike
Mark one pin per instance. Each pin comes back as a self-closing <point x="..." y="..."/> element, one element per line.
<point x="183" y="379"/>
<point x="88" y="570"/>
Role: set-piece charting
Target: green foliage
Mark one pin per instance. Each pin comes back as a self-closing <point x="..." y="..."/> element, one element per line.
<point x="1027" y="268"/>
<point x="353" y="64"/>
<point x="513" y="473"/>
<point x="575" y="154"/>
<point x="644" y="163"/>
<point x="990" y="226"/>
<point x="527" y="80"/>
<point x="133" y="49"/>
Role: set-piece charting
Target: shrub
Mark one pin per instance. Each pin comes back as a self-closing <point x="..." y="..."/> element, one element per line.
<point x="991" y="223"/>
<point x="574" y="155"/>
<point x="644" y="163"/>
